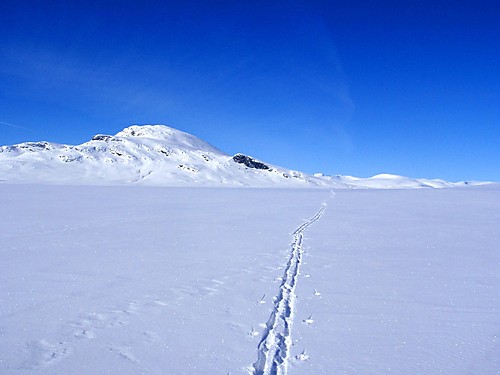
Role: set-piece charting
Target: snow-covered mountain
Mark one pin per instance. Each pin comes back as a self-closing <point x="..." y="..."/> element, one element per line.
<point x="163" y="156"/>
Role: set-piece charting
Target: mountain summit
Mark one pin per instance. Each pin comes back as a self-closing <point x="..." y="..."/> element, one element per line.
<point x="175" y="138"/>
<point x="164" y="156"/>
<point x="147" y="154"/>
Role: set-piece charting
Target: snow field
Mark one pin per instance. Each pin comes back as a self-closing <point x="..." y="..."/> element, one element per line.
<point x="130" y="280"/>
<point x="409" y="284"/>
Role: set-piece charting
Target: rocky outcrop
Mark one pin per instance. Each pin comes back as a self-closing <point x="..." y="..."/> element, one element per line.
<point x="250" y="162"/>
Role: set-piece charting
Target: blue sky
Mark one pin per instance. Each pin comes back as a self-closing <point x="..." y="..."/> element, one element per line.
<point x="339" y="87"/>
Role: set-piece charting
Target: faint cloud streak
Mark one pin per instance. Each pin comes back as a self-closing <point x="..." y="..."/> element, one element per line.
<point x="14" y="126"/>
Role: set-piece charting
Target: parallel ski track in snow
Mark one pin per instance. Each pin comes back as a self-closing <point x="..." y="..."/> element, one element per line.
<point x="274" y="347"/>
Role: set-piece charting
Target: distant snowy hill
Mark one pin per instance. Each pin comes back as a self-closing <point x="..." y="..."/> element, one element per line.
<point x="163" y="156"/>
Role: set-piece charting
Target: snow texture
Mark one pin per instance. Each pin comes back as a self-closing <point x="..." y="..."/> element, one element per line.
<point x="156" y="280"/>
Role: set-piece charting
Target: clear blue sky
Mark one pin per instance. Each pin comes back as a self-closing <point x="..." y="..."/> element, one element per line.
<point x="339" y="87"/>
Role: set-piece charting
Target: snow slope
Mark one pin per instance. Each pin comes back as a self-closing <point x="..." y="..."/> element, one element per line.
<point x="155" y="280"/>
<point x="162" y="156"/>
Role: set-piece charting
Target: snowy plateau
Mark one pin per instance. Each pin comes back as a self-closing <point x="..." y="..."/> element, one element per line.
<point x="109" y="268"/>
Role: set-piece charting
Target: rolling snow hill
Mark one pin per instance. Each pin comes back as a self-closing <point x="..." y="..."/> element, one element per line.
<point x="162" y="156"/>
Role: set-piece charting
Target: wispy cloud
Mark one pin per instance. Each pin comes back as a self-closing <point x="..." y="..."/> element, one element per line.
<point x="14" y="126"/>
<point x="58" y="76"/>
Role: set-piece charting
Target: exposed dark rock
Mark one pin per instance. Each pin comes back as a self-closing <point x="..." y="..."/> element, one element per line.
<point x="69" y="159"/>
<point x="35" y="146"/>
<point x="104" y="137"/>
<point x="114" y="152"/>
<point x="165" y="152"/>
<point x="250" y="162"/>
<point x="188" y="168"/>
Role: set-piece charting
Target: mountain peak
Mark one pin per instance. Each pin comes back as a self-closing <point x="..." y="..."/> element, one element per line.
<point x="175" y="138"/>
<point x="152" y="131"/>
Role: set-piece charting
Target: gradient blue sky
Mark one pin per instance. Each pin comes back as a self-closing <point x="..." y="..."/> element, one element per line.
<point x="339" y="87"/>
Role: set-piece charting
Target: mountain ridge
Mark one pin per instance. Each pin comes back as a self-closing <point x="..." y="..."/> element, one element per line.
<point x="160" y="155"/>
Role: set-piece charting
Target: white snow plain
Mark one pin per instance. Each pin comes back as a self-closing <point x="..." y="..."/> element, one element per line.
<point x="156" y="280"/>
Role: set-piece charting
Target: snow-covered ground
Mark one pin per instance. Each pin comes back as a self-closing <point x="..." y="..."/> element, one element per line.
<point x="152" y="280"/>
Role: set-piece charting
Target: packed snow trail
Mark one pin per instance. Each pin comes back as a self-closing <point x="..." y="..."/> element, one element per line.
<point x="274" y="347"/>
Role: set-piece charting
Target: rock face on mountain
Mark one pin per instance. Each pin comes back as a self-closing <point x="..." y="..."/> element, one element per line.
<point x="163" y="156"/>
<point x="250" y="162"/>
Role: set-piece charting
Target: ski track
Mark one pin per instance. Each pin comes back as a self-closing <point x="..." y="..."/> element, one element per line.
<point x="274" y="346"/>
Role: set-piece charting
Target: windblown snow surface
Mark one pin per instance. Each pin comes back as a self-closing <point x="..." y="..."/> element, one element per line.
<point x="155" y="280"/>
